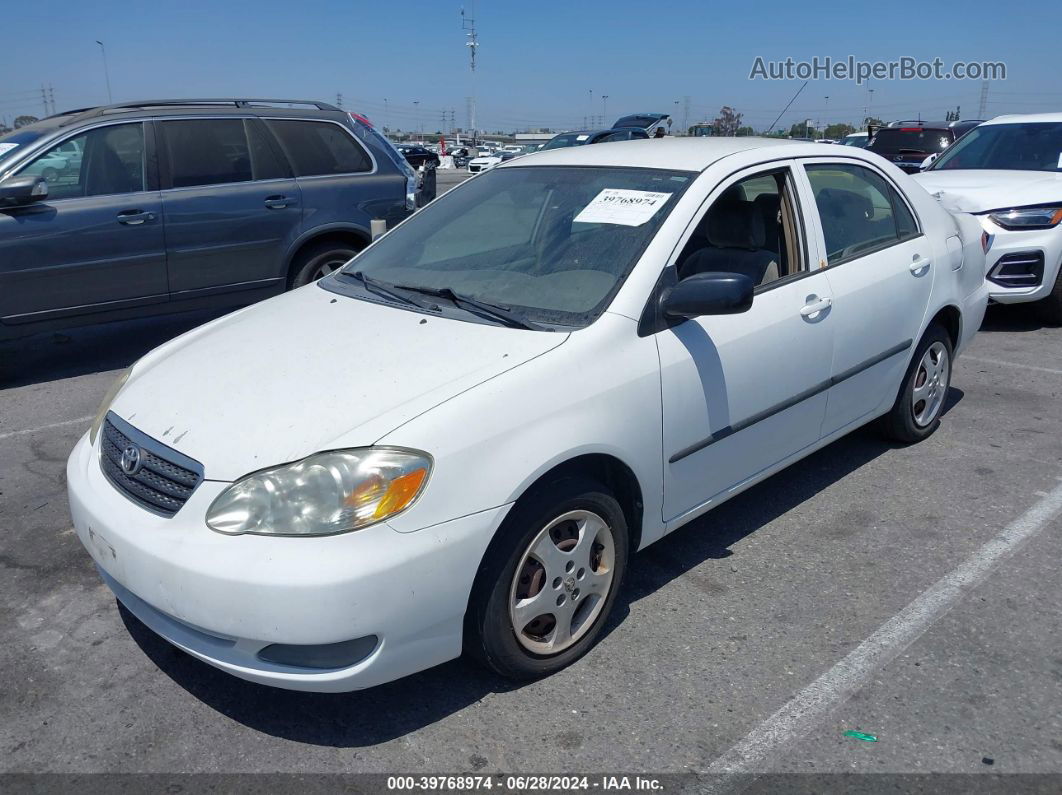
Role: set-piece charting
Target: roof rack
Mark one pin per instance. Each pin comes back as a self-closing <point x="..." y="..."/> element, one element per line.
<point x="172" y="103"/>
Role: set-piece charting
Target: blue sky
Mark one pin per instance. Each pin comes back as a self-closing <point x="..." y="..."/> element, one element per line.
<point x="538" y="62"/>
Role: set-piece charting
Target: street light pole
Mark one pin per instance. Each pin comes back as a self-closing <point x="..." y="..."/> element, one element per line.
<point x="416" y="116"/>
<point x="604" y="109"/>
<point x="106" y="72"/>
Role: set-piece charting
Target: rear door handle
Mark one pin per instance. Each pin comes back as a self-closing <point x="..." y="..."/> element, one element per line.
<point x="816" y="306"/>
<point x="919" y="265"/>
<point x="278" y="202"/>
<point x="134" y="217"/>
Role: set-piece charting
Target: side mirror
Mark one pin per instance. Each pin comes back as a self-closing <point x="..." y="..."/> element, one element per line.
<point x="23" y="190"/>
<point x="927" y="162"/>
<point x="709" y="294"/>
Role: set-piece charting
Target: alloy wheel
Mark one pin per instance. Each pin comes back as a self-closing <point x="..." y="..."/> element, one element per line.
<point x="930" y="384"/>
<point x="562" y="582"/>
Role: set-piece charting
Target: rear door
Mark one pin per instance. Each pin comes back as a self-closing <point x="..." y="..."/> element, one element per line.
<point x="342" y="184"/>
<point x="96" y="243"/>
<point x="880" y="270"/>
<point x="232" y="207"/>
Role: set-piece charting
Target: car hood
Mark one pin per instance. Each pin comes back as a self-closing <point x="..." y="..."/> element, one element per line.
<point x="310" y="371"/>
<point x="980" y="190"/>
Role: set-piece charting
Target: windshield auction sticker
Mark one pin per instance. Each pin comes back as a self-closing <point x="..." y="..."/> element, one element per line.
<point x="5" y="148"/>
<point x="624" y="207"/>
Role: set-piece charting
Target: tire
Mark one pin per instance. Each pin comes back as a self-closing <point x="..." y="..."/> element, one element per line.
<point x="565" y="513"/>
<point x="913" y="416"/>
<point x="1051" y="307"/>
<point x="319" y="260"/>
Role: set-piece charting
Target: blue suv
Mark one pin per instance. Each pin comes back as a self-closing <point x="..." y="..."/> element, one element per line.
<point x="165" y="205"/>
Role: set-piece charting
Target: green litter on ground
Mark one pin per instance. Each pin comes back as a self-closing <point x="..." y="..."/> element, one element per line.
<point x="867" y="738"/>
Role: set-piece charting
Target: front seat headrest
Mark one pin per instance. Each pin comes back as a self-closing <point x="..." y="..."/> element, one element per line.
<point x="735" y="225"/>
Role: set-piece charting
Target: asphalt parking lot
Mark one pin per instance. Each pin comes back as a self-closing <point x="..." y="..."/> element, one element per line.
<point x="748" y="641"/>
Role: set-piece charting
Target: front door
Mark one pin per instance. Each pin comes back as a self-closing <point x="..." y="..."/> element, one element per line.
<point x="743" y="392"/>
<point x="96" y="243"/>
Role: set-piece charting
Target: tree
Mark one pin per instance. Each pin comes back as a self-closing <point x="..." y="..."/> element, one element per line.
<point x="727" y="122"/>
<point x="746" y="131"/>
<point x="803" y="130"/>
<point x="22" y="121"/>
<point x="838" y="131"/>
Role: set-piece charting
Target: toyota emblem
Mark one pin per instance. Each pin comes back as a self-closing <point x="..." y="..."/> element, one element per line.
<point x="131" y="460"/>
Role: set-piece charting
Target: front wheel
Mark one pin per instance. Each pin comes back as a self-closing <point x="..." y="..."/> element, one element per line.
<point x="916" y="412"/>
<point x="548" y="583"/>
<point x="1051" y="306"/>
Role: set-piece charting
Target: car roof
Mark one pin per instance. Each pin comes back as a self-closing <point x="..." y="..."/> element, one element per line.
<point x="1025" y="118"/>
<point x="198" y="107"/>
<point x="685" y="154"/>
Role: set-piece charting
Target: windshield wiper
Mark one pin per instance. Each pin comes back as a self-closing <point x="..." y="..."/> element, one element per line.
<point x="385" y="290"/>
<point x="501" y="313"/>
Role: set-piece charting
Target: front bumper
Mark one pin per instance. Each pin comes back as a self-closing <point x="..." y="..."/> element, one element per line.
<point x="1047" y="242"/>
<point x="223" y="599"/>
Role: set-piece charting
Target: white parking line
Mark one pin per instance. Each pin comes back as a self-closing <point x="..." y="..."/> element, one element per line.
<point x="79" y="420"/>
<point x="1005" y="363"/>
<point x="799" y="715"/>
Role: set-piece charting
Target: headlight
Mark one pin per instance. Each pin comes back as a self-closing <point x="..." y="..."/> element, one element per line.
<point x="327" y="493"/>
<point x="1028" y="217"/>
<point x="105" y="406"/>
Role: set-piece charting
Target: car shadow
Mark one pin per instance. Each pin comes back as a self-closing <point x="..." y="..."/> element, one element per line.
<point x="51" y="356"/>
<point x="380" y="714"/>
<point x="1013" y="317"/>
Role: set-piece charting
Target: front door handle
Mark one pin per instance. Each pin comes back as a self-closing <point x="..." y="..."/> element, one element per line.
<point x="815" y="305"/>
<point x="278" y="202"/>
<point x="134" y="217"/>
<point x="919" y="266"/>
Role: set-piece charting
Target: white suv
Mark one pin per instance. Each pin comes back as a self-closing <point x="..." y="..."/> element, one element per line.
<point x="1008" y="172"/>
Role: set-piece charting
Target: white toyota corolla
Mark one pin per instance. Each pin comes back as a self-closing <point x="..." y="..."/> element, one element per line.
<point x="1007" y="172"/>
<point x="457" y="441"/>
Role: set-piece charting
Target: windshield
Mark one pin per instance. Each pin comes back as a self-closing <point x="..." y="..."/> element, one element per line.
<point x="568" y="139"/>
<point x="550" y="243"/>
<point x="1034" y="146"/>
<point x="916" y="140"/>
<point x="854" y="140"/>
<point x="14" y="141"/>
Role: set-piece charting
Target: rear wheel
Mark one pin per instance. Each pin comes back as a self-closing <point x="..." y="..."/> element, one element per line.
<point x="547" y="585"/>
<point x="319" y="260"/>
<point x="916" y="412"/>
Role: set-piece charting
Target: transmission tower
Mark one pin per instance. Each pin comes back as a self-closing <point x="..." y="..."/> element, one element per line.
<point x="468" y="25"/>
<point x="339" y="100"/>
<point x="984" y="100"/>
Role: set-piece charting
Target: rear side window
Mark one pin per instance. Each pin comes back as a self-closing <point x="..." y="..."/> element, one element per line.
<point x="207" y="151"/>
<point x="316" y="148"/>
<point x="860" y="212"/>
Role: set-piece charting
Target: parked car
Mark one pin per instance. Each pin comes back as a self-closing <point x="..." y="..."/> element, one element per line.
<point x="583" y="137"/>
<point x="418" y="156"/>
<point x="168" y="205"/>
<point x="860" y="139"/>
<point x="1006" y="171"/>
<point x="907" y="144"/>
<point x="487" y="162"/>
<point x="656" y="125"/>
<point x="548" y="368"/>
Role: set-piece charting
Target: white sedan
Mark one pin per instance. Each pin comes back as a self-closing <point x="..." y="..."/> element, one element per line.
<point x="456" y="442"/>
<point x="1008" y="171"/>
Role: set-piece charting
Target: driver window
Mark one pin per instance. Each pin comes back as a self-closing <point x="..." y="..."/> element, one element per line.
<point x="749" y="229"/>
<point x="102" y="161"/>
<point x="856" y="208"/>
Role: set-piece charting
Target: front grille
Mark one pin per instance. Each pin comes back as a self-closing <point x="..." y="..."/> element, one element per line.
<point x="165" y="478"/>
<point x="1022" y="269"/>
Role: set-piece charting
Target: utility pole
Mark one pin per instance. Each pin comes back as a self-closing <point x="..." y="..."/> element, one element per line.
<point x="106" y="72"/>
<point x="44" y="99"/>
<point x="468" y="24"/>
<point x="416" y="117"/>
<point x="591" y="116"/>
<point x="685" y="114"/>
<point x="604" y="109"/>
<point x="825" y="114"/>
<point x="983" y="105"/>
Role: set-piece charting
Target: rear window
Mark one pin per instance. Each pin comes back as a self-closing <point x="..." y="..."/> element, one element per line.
<point x="916" y="140"/>
<point x="317" y="148"/>
<point x="637" y="121"/>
